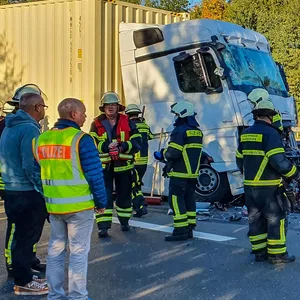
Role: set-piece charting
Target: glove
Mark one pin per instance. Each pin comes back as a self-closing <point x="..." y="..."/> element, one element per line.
<point x="114" y="153"/>
<point x="120" y="148"/>
<point x="158" y="155"/>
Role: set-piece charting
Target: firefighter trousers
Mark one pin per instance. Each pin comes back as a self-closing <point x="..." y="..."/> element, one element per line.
<point x="26" y="214"/>
<point x="138" y="200"/>
<point x="267" y="220"/>
<point x="123" y="186"/>
<point x="182" y="202"/>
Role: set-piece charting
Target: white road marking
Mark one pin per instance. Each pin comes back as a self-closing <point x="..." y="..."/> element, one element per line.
<point x="163" y="228"/>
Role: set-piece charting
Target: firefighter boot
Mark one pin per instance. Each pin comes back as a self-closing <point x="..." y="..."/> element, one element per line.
<point x="141" y="212"/>
<point x="191" y="228"/>
<point x="281" y="258"/>
<point x="125" y="227"/>
<point x="181" y="234"/>
<point x="103" y="233"/>
<point x="261" y="256"/>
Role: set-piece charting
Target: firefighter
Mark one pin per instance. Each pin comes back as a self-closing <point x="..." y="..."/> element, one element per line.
<point x="262" y="160"/>
<point x="182" y="157"/>
<point x="259" y="94"/>
<point x="118" y="140"/>
<point x="37" y="266"/>
<point x="140" y="159"/>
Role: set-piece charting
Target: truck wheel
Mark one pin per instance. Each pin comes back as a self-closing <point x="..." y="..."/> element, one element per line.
<point x="212" y="186"/>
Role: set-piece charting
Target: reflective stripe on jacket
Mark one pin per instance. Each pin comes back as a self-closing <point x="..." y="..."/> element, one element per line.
<point x="184" y="151"/>
<point x="261" y="156"/>
<point x="124" y="132"/>
<point x="141" y="157"/>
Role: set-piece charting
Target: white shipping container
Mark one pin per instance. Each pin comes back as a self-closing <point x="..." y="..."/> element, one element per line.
<point x="68" y="48"/>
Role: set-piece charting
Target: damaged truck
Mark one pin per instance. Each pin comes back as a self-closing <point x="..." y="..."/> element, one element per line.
<point x="214" y="65"/>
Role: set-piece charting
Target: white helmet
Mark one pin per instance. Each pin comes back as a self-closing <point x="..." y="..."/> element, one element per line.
<point x="132" y="109"/>
<point x="183" y="109"/>
<point x="265" y="108"/>
<point x="7" y="108"/>
<point x="258" y="94"/>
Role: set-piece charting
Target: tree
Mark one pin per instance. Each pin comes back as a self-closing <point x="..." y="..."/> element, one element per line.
<point x="213" y="9"/>
<point x="174" y="5"/>
<point x="195" y="11"/>
<point x="133" y="1"/>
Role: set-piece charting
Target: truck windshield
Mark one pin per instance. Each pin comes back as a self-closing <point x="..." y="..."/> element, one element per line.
<point x="249" y="69"/>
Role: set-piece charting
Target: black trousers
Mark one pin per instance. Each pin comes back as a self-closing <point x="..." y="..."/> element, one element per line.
<point x="26" y="214"/>
<point x="138" y="200"/>
<point x="141" y="169"/>
<point x="267" y="220"/>
<point x="182" y="202"/>
<point x="123" y="184"/>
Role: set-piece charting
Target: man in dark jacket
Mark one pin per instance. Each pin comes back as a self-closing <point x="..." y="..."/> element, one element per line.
<point x="14" y="103"/>
<point x="140" y="158"/>
<point x="261" y="158"/>
<point x="182" y="157"/>
<point x="24" y="206"/>
<point x="118" y="140"/>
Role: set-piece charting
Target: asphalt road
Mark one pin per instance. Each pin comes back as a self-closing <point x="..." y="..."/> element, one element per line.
<point x="140" y="265"/>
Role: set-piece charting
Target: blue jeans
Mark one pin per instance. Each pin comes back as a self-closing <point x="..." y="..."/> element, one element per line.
<point x="76" y="229"/>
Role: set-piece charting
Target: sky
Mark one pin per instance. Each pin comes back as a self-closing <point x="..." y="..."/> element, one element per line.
<point x="193" y="2"/>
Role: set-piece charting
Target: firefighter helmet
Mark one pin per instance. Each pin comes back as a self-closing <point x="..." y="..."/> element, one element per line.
<point x="111" y="98"/>
<point x="264" y="108"/>
<point x="258" y="94"/>
<point x="183" y="109"/>
<point x="27" y="88"/>
<point x="132" y="109"/>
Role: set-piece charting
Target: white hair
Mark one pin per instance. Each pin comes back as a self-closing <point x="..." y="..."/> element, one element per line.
<point x="28" y="101"/>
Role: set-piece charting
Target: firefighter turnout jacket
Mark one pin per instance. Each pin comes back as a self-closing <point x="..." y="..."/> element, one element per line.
<point x="124" y="132"/>
<point x="184" y="150"/>
<point x="261" y="156"/>
<point x="141" y="157"/>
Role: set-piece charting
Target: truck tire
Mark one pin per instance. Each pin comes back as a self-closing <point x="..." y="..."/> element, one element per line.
<point x="212" y="186"/>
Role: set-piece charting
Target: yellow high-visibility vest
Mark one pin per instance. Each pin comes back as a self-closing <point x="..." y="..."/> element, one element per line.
<point x="65" y="187"/>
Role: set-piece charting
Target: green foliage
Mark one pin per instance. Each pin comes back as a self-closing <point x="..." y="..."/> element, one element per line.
<point x="195" y="11"/>
<point x="174" y="5"/>
<point x="133" y="1"/>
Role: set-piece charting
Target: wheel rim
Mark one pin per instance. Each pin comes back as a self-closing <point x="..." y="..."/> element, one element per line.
<point x="208" y="181"/>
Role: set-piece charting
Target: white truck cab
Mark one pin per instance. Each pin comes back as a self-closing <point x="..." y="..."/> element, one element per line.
<point x="214" y="65"/>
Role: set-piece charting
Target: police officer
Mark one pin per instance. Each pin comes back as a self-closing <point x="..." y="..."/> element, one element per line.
<point x="141" y="158"/>
<point x="261" y="158"/>
<point x="118" y="140"/>
<point x="12" y="107"/>
<point x="182" y="157"/>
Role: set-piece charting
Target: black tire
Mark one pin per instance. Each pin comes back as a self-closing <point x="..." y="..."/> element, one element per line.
<point x="212" y="186"/>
